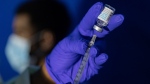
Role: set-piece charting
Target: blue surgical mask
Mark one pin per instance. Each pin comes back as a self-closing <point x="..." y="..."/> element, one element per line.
<point x="17" y="52"/>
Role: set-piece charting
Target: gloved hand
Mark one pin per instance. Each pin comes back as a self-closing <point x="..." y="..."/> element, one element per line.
<point x="63" y="62"/>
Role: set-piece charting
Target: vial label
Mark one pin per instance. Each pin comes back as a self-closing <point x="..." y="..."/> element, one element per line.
<point x="105" y="14"/>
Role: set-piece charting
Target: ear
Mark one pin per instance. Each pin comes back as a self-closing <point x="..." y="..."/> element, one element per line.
<point x="47" y="41"/>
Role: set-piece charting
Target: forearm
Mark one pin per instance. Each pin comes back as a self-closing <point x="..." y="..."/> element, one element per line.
<point x="41" y="77"/>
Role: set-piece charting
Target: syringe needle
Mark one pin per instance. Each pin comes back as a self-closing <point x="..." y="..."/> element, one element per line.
<point x="91" y="43"/>
<point x="84" y="61"/>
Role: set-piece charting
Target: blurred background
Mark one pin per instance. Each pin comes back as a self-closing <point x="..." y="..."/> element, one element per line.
<point x="128" y="46"/>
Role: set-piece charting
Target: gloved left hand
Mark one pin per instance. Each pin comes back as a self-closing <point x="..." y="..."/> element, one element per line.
<point x="63" y="62"/>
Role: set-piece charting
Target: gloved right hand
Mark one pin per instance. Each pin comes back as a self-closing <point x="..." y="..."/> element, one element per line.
<point x="63" y="62"/>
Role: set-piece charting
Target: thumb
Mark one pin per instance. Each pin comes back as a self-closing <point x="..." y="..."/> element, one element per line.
<point x="102" y="58"/>
<point x="86" y="25"/>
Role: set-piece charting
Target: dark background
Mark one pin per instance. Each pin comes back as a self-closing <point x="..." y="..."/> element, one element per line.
<point x="128" y="46"/>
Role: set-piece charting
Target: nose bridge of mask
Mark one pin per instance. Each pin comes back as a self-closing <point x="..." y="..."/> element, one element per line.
<point x="19" y="41"/>
<point x="17" y="52"/>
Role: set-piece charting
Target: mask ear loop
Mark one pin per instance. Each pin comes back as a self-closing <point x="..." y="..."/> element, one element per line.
<point x="35" y="40"/>
<point x="37" y="37"/>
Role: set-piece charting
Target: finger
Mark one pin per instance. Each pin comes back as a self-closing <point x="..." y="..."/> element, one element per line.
<point x="95" y="61"/>
<point x="115" y="21"/>
<point x="102" y="58"/>
<point x="86" y="25"/>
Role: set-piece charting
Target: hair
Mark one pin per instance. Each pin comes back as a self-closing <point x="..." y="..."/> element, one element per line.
<point x="47" y="15"/>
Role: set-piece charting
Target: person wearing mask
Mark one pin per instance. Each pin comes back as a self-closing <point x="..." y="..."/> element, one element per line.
<point x="62" y="63"/>
<point x="35" y="32"/>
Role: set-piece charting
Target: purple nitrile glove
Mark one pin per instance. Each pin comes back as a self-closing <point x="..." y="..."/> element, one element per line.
<point x="63" y="62"/>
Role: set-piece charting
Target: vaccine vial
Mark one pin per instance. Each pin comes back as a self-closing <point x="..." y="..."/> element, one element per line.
<point x="103" y="18"/>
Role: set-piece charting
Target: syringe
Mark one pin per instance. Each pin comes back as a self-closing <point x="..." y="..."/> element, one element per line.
<point x="102" y="21"/>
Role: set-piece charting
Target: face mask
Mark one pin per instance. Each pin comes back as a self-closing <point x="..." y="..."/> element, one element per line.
<point x="17" y="52"/>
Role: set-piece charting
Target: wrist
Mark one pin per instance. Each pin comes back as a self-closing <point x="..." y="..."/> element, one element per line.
<point x="46" y="74"/>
